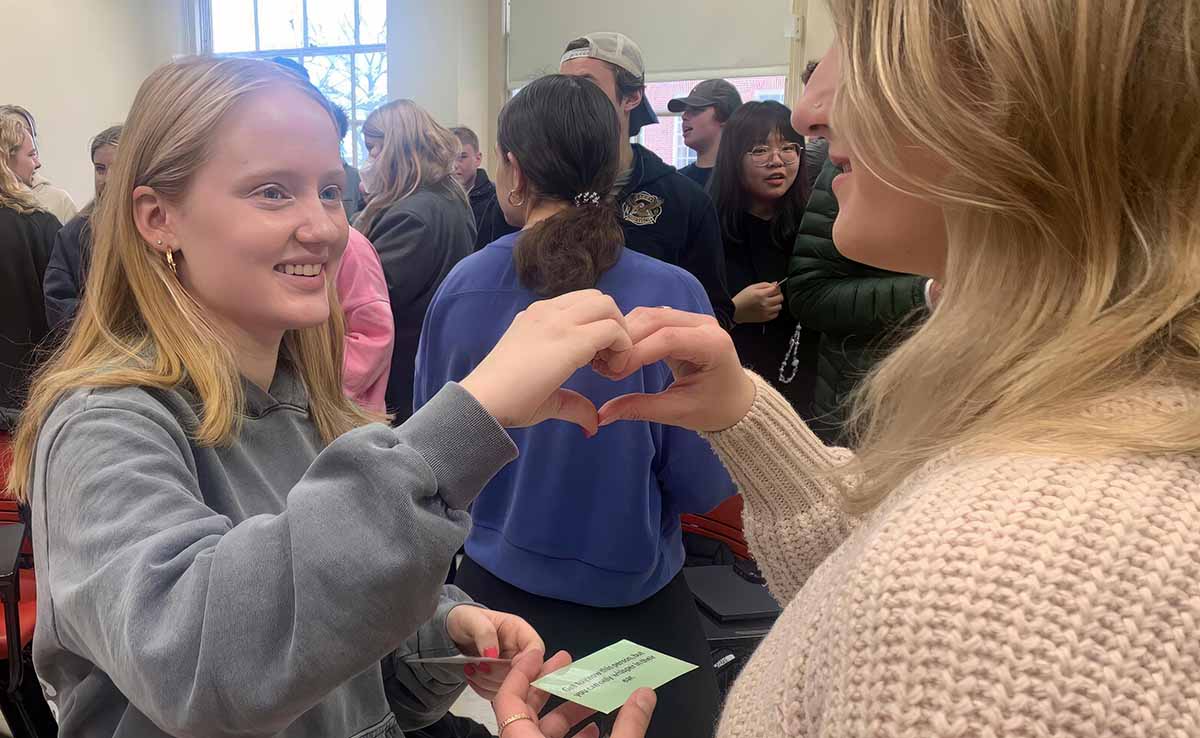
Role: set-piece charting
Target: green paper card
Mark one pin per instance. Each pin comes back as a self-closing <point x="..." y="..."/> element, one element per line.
<point x="604" y="680"/>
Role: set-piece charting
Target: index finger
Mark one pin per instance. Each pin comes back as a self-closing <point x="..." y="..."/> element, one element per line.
<point x="562" y="302"/>
<point x="646" y="321"/>
<point x="537" y="699"/>
<point x="510" y="699"/>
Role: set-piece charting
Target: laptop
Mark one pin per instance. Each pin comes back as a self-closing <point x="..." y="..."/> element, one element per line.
<point x="728" y="597"/>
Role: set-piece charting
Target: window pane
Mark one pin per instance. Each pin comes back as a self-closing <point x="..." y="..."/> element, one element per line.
<point x="372" y="21"/>
<point x="280" y="24"/>
<point x="233" y="25"/>
<point x="330" y="22"/>
<point x="331" y="75"/>
<point x="346" y="147"/>
<point x="370" y="83"/>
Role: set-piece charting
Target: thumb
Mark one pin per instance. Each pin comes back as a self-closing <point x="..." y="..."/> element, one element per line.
<point x="666" y="407"/>
<point x="634" y="717"/>
<point x="486" y="641"/>
<point x="568" y="405"/>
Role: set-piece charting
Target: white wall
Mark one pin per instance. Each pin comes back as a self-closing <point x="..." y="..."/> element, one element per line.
<point x="680" y="40"/>
<point x="76" y="65"/>
<point x="443" y="54"/>
<point x="818" y="29"/>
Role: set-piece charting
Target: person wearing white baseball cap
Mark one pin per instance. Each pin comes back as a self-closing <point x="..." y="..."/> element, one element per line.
<point x="663" y="213"/>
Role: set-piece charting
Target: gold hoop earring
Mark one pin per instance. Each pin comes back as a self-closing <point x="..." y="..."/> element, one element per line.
<point x="510" y="199"/>
<point x="171" y="263"/>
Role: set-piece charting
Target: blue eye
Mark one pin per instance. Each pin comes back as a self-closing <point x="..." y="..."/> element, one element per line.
<point x="332" y="192"/>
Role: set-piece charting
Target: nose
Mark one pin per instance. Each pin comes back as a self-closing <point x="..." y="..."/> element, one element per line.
<point x="321" y="224"/>
<point x="811" y="115"/>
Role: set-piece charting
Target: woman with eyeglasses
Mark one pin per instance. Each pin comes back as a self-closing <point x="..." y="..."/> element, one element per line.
<point x="760" y="197"/>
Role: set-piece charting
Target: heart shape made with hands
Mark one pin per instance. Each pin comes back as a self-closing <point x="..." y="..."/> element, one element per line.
<point x="711" y="391"/>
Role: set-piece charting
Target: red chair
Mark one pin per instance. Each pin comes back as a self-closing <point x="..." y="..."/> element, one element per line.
<point x="21" y="700"/>
<point x="722" y="524"/>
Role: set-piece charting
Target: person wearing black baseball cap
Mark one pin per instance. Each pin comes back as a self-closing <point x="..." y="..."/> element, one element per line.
<point x="705" y="110"/>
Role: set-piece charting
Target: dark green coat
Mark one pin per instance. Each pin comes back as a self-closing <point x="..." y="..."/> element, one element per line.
<point x="853" y="306"/>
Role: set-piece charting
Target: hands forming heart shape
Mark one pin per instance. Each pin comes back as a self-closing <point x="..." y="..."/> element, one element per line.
<point x="520" y="381"/>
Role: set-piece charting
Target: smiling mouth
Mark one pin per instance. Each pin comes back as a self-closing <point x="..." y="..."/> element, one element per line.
<point x="686" y="130"/>
<point x="300" y="270"/>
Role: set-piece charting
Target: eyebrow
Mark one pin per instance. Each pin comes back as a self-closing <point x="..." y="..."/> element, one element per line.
<point x="279" y="174"/>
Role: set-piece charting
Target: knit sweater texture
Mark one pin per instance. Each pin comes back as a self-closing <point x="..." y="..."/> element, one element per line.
<point x="987" y="596"/>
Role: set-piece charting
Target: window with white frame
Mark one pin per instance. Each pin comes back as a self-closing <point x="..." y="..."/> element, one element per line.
<point x="342" y="44"/>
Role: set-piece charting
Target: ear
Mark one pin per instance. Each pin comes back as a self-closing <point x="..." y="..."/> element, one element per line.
<point x="518" y="176"/>
<point x="152" y="220"/>
<point x="630" y="103"/>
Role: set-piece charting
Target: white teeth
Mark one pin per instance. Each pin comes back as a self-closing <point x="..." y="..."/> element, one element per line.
<point x="301" y="270"/>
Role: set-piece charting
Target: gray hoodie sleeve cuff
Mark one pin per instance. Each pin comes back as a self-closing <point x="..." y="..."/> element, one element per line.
<point x="463" y="445"/>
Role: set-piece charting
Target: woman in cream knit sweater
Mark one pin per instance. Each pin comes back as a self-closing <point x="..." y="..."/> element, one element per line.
<point x="1014" y="550"/>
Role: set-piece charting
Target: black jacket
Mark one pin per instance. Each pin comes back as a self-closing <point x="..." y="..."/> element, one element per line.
<point x="25" y="242"/>
<point x="856" y="308"/>
<point x="762" y="347"/>
<point x="67" y="273"/>
<point x="419" y="240"/>
<point x="482" y="195"/>
<point x="699" y="175"/>
<point x="664" y="215"/>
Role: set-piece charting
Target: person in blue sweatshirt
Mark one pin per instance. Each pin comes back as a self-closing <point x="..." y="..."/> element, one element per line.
<point x="663" y="213"/>
<point x="580" y="535"/>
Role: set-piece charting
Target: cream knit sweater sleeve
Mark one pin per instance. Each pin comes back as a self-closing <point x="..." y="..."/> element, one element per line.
<point x="792" y="516"/>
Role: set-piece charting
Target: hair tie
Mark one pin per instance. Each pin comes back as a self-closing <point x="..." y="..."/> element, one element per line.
<point x="587" y="198"/>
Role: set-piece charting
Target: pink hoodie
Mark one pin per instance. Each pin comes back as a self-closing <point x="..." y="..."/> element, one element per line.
<point x="370" y="332"/>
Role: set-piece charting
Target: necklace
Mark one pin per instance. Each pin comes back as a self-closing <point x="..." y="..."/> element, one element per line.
<point x="792" y="355"/>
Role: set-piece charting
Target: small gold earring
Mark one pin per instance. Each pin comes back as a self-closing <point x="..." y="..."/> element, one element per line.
<point x="171" y="262"/>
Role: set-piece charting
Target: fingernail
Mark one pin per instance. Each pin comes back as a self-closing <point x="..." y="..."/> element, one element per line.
<point x="645" y="699"/>
<point x="469" y="670"/>
<point x="491" y="653"/>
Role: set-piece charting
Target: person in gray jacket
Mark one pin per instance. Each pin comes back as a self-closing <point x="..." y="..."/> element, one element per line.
<point x="226" y="545"/>
<point x="420" y="221"/>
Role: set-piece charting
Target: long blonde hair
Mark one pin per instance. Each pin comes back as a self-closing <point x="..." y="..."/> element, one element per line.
<point x="137" y="326"/>
<point x="14" y="195"/>
<point x="417" y="151"/>
<point x="1072" y="134"/>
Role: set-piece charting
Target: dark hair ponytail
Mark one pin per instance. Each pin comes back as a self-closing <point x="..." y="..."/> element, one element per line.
<point x="563" y="132"/>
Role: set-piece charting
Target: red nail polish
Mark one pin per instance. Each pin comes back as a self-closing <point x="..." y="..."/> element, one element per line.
<point x="469" y="670"/>
<point x="491" y="653"/>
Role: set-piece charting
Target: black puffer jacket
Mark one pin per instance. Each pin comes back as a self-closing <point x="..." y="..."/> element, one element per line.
<point x="856" y="308"/>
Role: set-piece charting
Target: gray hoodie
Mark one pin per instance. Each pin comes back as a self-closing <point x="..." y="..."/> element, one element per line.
<point x="267" y="588"/>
